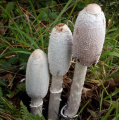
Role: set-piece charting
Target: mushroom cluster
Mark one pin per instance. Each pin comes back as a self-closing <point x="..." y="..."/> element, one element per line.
<point x="86" y="46"/>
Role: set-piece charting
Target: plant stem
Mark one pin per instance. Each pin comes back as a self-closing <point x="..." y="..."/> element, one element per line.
<point x="36" y="106"/>
<point x="76" y="90"/>
<point x="36" y="110"/>
<point x="55" y="97"/>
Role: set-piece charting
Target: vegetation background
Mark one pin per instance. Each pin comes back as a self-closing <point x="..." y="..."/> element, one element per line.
<point x="25" y="25"/>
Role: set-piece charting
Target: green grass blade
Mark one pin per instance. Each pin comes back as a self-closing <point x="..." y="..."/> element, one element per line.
<point x="110" y="110"/>
<point x="63" y="10"/>
<point x="113" y="93"/>
<point x="20" y="41"/>
<point x="27" y="36"/>
<point x="101" y="101"/>
<point x="41" y="36"/>
<point x="72" y="10"/>
<point x="110" y="54"/>
<point x="82" y="109"/>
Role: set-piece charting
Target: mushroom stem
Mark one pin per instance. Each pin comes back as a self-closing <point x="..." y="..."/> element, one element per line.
<point x="36" y="110"/>
<point x="55" y="97"/>
<point x="76" y="90"/>
<point x="56" y="86"/>
<point x="36" y="106"/>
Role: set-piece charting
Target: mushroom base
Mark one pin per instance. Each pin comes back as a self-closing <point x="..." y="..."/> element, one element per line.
<point x="66" y="117"/>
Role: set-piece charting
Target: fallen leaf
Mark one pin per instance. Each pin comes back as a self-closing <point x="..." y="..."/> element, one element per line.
<point x="2" y="30"/>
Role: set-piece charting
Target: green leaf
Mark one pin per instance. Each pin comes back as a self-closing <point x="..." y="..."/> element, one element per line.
<point x="10" y="7"/>
<point x="1" y="94"/>
<point x="13" y="60"/>
<point x="110" y="54"/>
<point x="44" y="14"/>
<point x="2" y="1"/>
<point x="82" y="109"/>
<point x="114" y="93"/>
<point x="53" y="15"/>
<point x="5" y="65"/>
<point x="2" y="82"/>
<point x="21" y="87"/>
<point x="110" y="109"/>
<point x="25" y="113"/>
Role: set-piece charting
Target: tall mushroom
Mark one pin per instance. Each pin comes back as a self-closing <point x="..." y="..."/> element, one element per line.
<point x="88" y="39"/>
<point x="59" y="57"/>
<point x="37" y="80"/>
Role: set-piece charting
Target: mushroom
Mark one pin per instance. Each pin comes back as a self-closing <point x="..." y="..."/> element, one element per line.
<point x="59" y="58"/>
<point x="37" y="80"/>
<point x="88" y="39"/>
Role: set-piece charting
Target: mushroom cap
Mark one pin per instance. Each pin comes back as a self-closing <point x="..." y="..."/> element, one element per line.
<point x="60" y="50"/>
<point x="93" y="8"/>
<point x="89" y="35"/>
<point x="37" y="75"/>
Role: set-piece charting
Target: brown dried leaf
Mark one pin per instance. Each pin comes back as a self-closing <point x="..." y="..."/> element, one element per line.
<point x="2" y="30"/>
<point x="111" y="83"/>
<point x="95" y="81"/>
<point x="94" y="115"/>
<point x="67" y="81"/>
<point x="63" y="86"/>
<point x="87" y="92"/>
<point x="104" y="71"/>
<point x="9" y="78"/>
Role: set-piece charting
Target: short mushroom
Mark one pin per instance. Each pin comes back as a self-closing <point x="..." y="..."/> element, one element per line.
<point x="37" y="80"/>
<point x="59" y="58"/>
<point x="88" y="39"/>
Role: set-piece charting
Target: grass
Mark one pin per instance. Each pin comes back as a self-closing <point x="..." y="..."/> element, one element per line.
<point x="25" y="26"/>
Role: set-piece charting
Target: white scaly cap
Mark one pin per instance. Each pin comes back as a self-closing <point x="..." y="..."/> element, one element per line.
<point x="60" y="49"/>
<point x="89" y="35"/>
<point x="37" y="77"/>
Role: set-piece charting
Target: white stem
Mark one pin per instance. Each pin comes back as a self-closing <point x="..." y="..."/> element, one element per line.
<point x="55" y="97"/>
<point x="36" y="106"/>
<point x="76" y="90"/>
<point x="36" y="110"/>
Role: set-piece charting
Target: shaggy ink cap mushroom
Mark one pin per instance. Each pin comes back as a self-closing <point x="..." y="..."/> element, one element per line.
<point x="89" y="35"/>
<point x="59" y="57"/>
<point x="88" y="39"/>
<point x="37" y="77"/>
